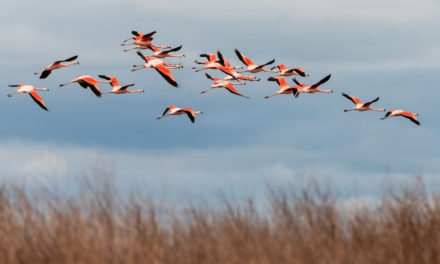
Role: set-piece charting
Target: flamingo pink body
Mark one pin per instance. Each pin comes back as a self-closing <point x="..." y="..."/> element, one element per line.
<point x="219" y="83"/>
<point x="283" y="71"/>
<point x="157" y="53"/>
<point x="410" y="116"/>
<point x="174" y="110"/>
<point x="229" y="70"/>
<point x="312" y="88"/>
<point x="212" y="62"/>
<point x="251" y="67"/>
<point x="32" y="91"/>
<point x="57" y="65"/>
<point x="359" y="106"/>
<point x="141" y="41"/>
<point x="87" y="81"/>
<point x="284" y="87"/>
<point x="116" y="87"/>
<point x="160" y="66"/>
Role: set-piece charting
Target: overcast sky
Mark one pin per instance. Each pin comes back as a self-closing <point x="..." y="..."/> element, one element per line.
<point x="389" y="49"/>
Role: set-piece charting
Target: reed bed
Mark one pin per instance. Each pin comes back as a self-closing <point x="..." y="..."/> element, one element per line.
<point x="99" y="225"/>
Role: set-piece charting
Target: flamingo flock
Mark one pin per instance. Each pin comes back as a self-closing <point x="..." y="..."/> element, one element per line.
<point x="234" y="75"/>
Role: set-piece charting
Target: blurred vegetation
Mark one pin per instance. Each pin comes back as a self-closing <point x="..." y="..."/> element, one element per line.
<point x="98" y="225"/>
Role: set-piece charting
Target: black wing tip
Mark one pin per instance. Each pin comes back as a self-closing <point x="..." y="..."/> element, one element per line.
<point x="45" y="73"/>
<point x="326" y="78"/>
<point x="208" y="76"/>
<point x="190" y="116"/>
<point x="72" y="58"/>
<point x="38" y="102"/>
<point x="415" y="121"/>
<point x="301" y="73"/>
<point x="296" y="81"/>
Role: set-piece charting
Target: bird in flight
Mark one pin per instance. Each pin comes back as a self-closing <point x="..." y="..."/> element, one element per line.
<point x="141" y="41"/>
<point x="174" y="110"/>
<point x="410" y="116"/>
<point x="228" y="69"/>
<point x="57" y="65"/>
<point x="32" y="91"/>
<point x="116" y="87"/>
<point x="87" y="81"/>
<point x="311" y="89"/>
<point x="212" y="63"/>
<point x="283" y="71"/>
<point x="284" y="87"/>
<point x="219" y="83"/>
<point x="359" y="106"/>
<point x="251" y="67"/>
<point x="157" y="53"/>
<point x="160" y="66"/>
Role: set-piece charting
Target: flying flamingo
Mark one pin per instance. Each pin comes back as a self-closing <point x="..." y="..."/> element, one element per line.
<point x="283" y="71"/>
<point x="157" y="53"/>
<point x="311" y="89"/>
<point x="212" y="63"/>
<point x="410" y="116"/>
<point x="57" y="65"/>
<point x="116" y="87"/>
<point x="284" y="87"/>
<point x="174" y="110"/>
<point x="226" y="68"/>
<point x="87" y="81"/>
<point x="219" y="83"/>
<point x="138" y="37"/>
<point x="141" y="41"/>
<point x="251" y="67"/>
<point x="160" y="66"/>
<point x="359" y="106"/>
<point x="32" y="91"/>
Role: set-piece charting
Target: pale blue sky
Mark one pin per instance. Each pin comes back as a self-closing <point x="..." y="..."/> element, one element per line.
<point x="389" y="49"/>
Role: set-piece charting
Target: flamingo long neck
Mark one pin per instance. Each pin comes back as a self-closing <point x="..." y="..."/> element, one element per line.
<point x="325" y="91"/>
<point x="42" y="89"/>
<point x="69" y="63"/>
<point x="269" y="96"/>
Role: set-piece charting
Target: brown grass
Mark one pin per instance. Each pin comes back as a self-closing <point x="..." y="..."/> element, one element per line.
<point x="99" y="226"/>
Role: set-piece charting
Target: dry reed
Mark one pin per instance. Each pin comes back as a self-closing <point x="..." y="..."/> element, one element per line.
<point x="98" y="225"/>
